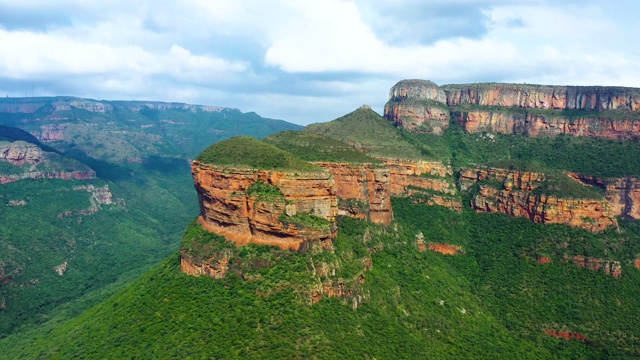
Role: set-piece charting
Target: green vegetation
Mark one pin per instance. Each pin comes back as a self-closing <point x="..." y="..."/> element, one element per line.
<point x="317" y="147"/>
<point x="264" y="191"/>
<point x="368" y="132"/>
<point x="244" y="151"/>
<point x="496" y="301"/>
<point x="596" y="157"/>
<point x="560" y="185"/>
<point x="306" y="220"/>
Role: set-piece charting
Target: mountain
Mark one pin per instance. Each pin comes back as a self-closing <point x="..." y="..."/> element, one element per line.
<point x="357" y="238"/>
<point x="92" y="193"/>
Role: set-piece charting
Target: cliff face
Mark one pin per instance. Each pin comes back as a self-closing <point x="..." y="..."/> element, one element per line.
<point x="430" y="178"/>
<point x="598" y="126"/>
<point x="226" y="208"/>
<point x="623" y="194"/>
<point x="591" y="98"/>
<point x="418" y="106"/>
<point x="33" y="163"/>
<point x="20" y="153"/>
<point x="363" y="191"/>
<point x="516" y="197"/>
<point x="535" y="110"/>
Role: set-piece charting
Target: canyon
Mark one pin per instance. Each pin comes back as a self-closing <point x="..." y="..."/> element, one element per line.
<point x="534" y="110"/>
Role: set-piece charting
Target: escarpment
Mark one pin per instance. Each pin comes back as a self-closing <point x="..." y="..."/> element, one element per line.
<point x="28" y="161"/>
<point x="535" y="110"/>
<point x="537" y="196"/>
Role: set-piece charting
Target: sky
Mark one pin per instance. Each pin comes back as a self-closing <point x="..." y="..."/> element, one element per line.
<point x="307" y="61"/>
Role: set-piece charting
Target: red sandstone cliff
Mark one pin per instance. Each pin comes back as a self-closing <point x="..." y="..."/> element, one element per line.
<point x="623" y="194"/>
<point x="516" y="197"/>
<point x="227" y="210"/>
<point x="602" y="112"/>
<point x="363" y="191"/>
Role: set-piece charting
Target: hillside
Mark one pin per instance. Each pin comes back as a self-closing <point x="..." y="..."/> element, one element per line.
<point x="92" y="193"/>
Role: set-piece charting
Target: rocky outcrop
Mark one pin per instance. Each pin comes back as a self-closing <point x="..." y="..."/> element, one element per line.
<point x="431" y="179"/>
<point x="535" y="110"/>
<point x="216" y="267"/>
<point x="623" y="194"/>
<point x="566" y="335"/>
<point x="363" y="191"/>
<point x="610" y="267"/>
<point x="64" y="175"/>
<point x="51" y="132"/>
<point x="100" y="195"/>
<point x="20" y="153"/>
<point x="228" y="210"/>
<point x="419" y="106"/>
<point x="512" y="192"/>
<point x="446" y="249"/>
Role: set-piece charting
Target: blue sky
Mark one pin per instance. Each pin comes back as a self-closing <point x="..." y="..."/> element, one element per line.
<point x="307" y="61"/>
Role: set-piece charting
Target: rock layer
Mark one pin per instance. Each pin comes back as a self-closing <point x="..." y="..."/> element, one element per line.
<point x="535" y="110"/>
<point x="622" y="193"/>
<point x="516" y="197"/>
<point x="228" y="210"/>
<point x="363" y="191"/>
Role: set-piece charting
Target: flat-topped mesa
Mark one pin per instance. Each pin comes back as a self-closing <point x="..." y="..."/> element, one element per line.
<point x="244" y="206"/>
<point x="535" y="110"/>
<point x="524" y="194"/>
<point x="252" y="192"/>
<point x="67" y="103"/>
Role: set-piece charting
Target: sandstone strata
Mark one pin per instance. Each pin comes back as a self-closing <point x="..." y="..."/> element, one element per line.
<point x="535" y="110"/>
<point x="516" y="197"/>
<point x="226" y="208"/>
<point x="20" y="153"/>
<point x="623" y="194"/>
<point x="432" y="179"/>
<point x="363" y="191"/>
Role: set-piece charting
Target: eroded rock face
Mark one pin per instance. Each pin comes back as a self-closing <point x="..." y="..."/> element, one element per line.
<point x="215" y="268"/>
<point x="363" y="190"/>
<point x="227" y="210"/>
<point x="417" y="116"/>
<point x="596" y="98"/>
<point x="610" y="267"/>
<point x="419" y="106"/>
<point x="20" y="153"/>
<point x="535" y="110"/>
<point x="622" y="193"/>
<point x="516" y="197"/>
<point x="409" y="177"/>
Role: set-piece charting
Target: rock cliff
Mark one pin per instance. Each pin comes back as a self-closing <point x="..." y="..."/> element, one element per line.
<point x="623" y="194"/>
<point x="535" y="110"/>
<point x="31" y="162"/>
<point x="431" y="179"/>
<point x="363" y="190"/>
<point x="513" y="192"/>
<point x="229" y="209"/>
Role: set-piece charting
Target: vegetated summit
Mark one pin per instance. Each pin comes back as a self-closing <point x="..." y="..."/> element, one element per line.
<point x="474" y="244"/>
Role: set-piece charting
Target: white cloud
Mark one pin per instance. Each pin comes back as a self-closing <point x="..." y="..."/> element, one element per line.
<point x="307" y="60"/>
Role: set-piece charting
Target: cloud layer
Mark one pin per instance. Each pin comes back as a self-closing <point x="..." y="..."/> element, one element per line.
<point x="307" y="60"/>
